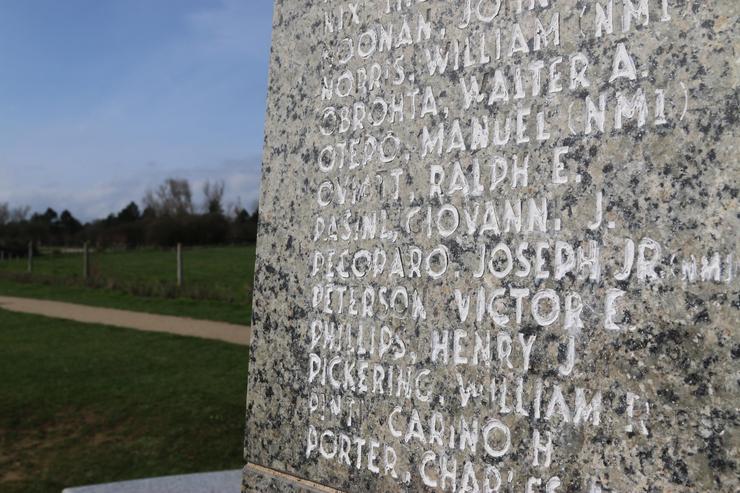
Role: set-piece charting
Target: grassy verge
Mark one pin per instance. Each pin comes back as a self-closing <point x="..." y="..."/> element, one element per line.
<point x="217" y="281"/>
<point x="82" y="404"/>
<point x="225" y="269"/>
<point x="181" y="307"/>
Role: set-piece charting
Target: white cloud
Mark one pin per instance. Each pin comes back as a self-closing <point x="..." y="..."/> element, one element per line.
<point x="241" y="177"/>
<point x="181" y="110"/>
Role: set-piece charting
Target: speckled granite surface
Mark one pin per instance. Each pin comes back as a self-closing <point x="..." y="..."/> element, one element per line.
<point x="498" y="247"/>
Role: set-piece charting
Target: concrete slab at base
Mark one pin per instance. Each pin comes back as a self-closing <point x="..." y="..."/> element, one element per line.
<point x="260" y="479"/>
<point x="211" y="482"/>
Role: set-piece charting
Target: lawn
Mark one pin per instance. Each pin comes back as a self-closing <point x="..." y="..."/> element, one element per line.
<point x="218" y="281"/>
<point x="82" y="404"/>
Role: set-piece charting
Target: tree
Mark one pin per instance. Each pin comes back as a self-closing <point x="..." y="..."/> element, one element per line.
<point x="129" y="214"/>
<point x="242" y="217"/>
<point x="69" y="223"/>
<point x="171" y="198"/>
<point x="213" y="197"/>
<point x="19" y="214"/>
<point x="48" y="217"/>
<point x="4" y="213"/>
<point x="151" y="203"/>
<point x="243" y="227"/>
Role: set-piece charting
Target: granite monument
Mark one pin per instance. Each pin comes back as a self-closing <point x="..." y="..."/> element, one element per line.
<point x="498" y="248"/>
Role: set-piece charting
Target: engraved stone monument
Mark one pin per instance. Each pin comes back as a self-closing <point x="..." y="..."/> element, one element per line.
<point x="498" y="248"/>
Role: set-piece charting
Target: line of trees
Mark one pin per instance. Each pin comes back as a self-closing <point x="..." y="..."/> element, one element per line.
<point x="168" y="216"/>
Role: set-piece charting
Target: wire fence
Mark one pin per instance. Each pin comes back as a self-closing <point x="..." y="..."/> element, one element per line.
<point x="218" y="273"/>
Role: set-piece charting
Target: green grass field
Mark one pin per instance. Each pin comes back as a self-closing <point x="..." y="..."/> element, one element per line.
<point x="218" y="281"/>
<point x="83" y="404"/>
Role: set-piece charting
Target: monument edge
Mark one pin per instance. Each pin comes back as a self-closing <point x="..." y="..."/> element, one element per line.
<point x="261" y="479"/>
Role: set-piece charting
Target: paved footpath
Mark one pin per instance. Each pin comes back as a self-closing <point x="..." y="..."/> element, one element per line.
<point x="235" y="334"/>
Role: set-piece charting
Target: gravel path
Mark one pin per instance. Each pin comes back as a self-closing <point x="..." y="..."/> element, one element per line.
<point x="235" y="334"/>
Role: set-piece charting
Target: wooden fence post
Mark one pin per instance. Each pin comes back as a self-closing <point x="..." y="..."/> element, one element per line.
<point x="85" y="261"/>
<point x="179" y="265"/>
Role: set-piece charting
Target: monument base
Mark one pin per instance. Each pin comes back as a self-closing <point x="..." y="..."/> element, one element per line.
<point x="260" y="479"/>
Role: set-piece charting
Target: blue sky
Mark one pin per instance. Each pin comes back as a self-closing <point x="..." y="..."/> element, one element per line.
<point x="102" y="99"/>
